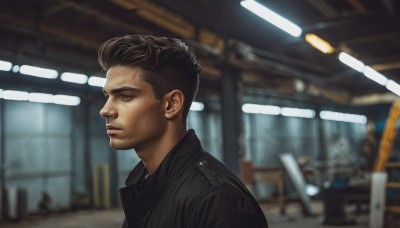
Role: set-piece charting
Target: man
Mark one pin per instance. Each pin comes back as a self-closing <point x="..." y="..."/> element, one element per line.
<point x="151" y="83"/>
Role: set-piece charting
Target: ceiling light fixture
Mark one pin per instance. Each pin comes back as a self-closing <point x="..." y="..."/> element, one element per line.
<point x="297" y="112"/>
<point x="374" y="75"/>
<point x="343" y="117"/>
<point x="393" y="86"/>
<point x="351" y="61"/>
<point x="97" y="81"/>
<point x="74" y="78"/>
<point x="40" y="97"/>
<point x="5" y="66"/>
<point x="66" y="100"/>
<point x="261" y="109"/>
<point x="319" y="43"/>
<point x="197" y="106"/>
<point x="272" y="17"/>
<point x="15" y="69"/>
<point x="15" y="95"/>
<point x="38" y="72"/>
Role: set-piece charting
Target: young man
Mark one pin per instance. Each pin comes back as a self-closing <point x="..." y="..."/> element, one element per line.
<point x="151" y="83"/>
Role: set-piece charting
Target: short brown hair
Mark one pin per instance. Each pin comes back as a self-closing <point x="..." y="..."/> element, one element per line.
<point x="167" y="62"/>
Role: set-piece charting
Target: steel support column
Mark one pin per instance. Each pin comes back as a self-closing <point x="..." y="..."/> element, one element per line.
<point x="114" y="176"/>
<point x="87" y="156"/>
<point x="2" y="156"/>
<point x="323" y="153"/>
<point x="231" y="115"/>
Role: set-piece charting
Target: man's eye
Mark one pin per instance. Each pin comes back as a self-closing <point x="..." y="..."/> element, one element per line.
<point x="125" y="97"/>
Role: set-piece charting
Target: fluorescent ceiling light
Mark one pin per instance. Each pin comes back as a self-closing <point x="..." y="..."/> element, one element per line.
<point x="197" y="106"/>
<point x="297" y="112"/>
<point x="74" y="78"/>
<point x="15" y="68"/>
<point x="374" y="75"/>
<point x="15" y="95"/>
<point x="66" y="100"/>
<point x="344" y="117"/>
<point x="97" y="81"/>
<point x="1" y="93"/>
<point x="393" y="86"/>
<point x="319" y="43"/>
<point x="38" y="72"/>
<point x="351" y="61"/>
<point x="40" y="97"/>
<point x="261" y="109"/>
<point x="5" y="66"/>
<point x="272" y="17"/>
<point x="312" y="190"/>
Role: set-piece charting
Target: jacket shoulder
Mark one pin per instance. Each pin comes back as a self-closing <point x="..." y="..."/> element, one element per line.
<point x="214" y="171"/>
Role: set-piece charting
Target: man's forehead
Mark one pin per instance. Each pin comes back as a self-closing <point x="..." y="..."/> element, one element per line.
<point x="120" y="76"/>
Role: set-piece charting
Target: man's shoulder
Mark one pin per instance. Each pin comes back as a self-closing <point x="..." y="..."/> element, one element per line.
<point x="208" y="174"/>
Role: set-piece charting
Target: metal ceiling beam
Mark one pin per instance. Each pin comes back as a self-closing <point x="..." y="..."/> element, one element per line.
<point x="160" y="16"/>
<point x="375" y="98"/>
<point x="342" y="76"/>
<point x="172" y="22"/>
<point x="373" y="38"/>
<point x="291" y="61"/>
<point x="318" y="88"/>
<point x="128" y="27"/>
<point x="358" y="6"/>
<point x="24" y="25"/>
<point x="342" y="21"/>
<point x="386" y="66"/>
<point x="324" y="8"/>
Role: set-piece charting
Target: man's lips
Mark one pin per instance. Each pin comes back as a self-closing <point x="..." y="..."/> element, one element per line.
<point x="112" y="130"/>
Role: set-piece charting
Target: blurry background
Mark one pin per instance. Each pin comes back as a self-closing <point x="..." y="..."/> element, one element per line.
<point x="264" y="92"/>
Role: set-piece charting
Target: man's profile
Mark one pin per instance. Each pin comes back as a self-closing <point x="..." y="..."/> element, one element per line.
<point x="151" y="83"/>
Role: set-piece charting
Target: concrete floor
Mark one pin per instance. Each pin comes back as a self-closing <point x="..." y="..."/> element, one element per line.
<point x="113" y="218"/>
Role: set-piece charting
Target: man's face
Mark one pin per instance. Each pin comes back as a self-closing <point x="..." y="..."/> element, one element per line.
<point x="134" y="118"/>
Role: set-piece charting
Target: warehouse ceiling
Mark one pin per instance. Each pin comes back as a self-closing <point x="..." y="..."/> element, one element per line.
<point x="65" y="34"/>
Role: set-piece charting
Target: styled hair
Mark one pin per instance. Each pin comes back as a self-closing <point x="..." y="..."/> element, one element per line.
<point x="167" y="63"/>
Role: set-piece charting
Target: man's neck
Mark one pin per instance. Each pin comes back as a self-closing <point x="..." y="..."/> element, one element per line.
<point x="152" y="155"/>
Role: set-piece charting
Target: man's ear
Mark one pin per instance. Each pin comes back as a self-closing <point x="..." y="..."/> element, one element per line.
<point x="174" y="102"/>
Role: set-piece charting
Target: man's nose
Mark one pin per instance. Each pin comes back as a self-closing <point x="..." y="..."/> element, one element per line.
<point x="108" y="111"/>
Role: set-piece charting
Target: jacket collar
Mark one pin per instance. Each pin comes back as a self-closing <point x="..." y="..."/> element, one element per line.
<point x="181" y="156"/>
<point x="138" y="200"/>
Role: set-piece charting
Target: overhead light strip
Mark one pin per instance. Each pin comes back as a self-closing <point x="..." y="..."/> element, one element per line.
<point x="66" y="100"/>
<point x="5" y="66"/>
<point x="40" y="97"/>
<point x="297" y="112"/>
<point x="15" y="95"/>
<point x="272" y="17"/>
<point x="197" y="106"/>
<point x="319" y="43"/>
<point x="343" y="117"/>
<point x="261" y="109"/>
<point x="97" y="81"/>
<point x="374" y="75"/>
<point x="351" y="61"/>
<point x="303" y="113"/>
<point x="393" y="86"/>
<point x="322" y="45"/>
<point x="38" y="72"/>
<point x="74" y="78"/>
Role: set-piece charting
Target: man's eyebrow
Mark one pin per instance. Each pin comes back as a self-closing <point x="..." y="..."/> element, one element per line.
<point x="122" y="89"/>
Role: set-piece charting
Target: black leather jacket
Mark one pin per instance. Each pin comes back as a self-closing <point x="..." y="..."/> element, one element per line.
<point x="189" y="189"/>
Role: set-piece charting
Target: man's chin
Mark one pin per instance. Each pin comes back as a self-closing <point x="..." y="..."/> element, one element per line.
<point x="119" y="146"/>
